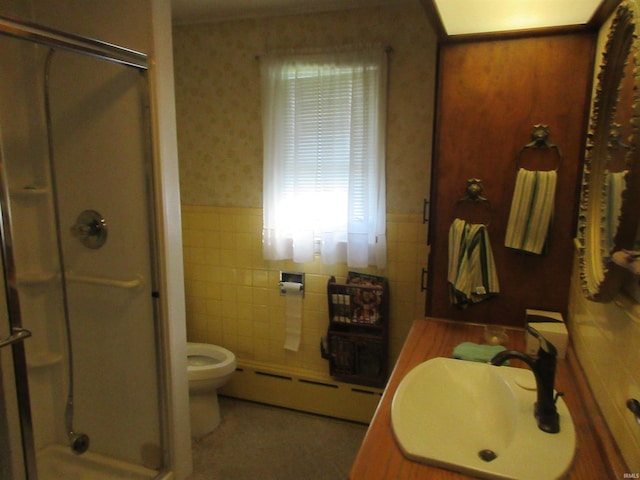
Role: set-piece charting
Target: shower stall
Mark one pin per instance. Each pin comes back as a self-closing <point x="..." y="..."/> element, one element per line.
<point x="82" y="345"/>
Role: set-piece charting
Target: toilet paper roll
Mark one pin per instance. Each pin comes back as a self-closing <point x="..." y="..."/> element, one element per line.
<point x="293" y="315"/>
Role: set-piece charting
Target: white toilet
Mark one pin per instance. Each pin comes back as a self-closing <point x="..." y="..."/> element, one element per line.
<point x="209" y="367"/>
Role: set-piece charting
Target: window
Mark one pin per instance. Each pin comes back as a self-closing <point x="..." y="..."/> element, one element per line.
<point x="324" y="157"/>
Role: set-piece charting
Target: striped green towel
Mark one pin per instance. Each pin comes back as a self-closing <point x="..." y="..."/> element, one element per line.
<point x="471" y="273"/>
<point x="531" y="211"/>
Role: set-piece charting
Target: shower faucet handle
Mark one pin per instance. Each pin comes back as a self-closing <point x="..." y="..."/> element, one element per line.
<point x="81" y="230"/>
<point x="91" y="229"/>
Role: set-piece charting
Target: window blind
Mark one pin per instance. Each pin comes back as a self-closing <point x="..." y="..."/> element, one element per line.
<point x="324" y="179"/>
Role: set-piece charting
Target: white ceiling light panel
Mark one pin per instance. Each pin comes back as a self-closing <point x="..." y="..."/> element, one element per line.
<point x="482" y="16"/>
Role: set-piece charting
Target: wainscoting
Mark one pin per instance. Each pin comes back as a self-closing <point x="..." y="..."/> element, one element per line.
<point x="232" y="293"/>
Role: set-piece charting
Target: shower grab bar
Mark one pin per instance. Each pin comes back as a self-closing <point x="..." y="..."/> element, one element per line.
<point x="36" y="278"/>
<point x="137" y="282"/>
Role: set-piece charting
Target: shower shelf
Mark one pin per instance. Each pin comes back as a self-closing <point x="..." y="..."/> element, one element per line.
<point x="29" y="192"/>
<point x="43" y="359"/>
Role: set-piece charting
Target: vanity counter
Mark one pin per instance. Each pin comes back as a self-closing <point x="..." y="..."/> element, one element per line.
<point x="380" y="458"/>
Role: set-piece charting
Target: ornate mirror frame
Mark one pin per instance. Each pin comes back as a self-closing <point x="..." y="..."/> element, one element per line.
<point x="601" y="279"/>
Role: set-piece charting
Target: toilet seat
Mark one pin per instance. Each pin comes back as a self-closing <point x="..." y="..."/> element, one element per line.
<point x="210" y="361"/>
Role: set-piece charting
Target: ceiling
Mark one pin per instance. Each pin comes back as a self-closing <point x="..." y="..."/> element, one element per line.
<point x="201" y="11"/>
<point x="452" y="19"/>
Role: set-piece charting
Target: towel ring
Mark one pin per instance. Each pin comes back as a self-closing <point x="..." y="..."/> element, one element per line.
<point x="618" y="152"/>
<point x="539" y="139"/>
<point x="473" y="194"/>
<point x="614" y="138"/>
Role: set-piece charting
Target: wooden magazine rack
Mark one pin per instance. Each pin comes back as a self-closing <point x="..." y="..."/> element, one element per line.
<point x="358" y="329"/>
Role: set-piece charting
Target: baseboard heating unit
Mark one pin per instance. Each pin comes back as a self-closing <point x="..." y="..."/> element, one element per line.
<point x="304" y="391"/>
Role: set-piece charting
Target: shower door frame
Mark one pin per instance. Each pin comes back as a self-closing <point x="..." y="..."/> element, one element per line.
<point x="17" y="334"/>
<point x="55" y="39"/>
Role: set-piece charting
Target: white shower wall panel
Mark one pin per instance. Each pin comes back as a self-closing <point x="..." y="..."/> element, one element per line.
<point x="98" y="127"/>
<point x="48" y="392"/>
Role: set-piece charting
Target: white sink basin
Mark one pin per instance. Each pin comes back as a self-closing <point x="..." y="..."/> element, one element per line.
<point x="446" y="412"/>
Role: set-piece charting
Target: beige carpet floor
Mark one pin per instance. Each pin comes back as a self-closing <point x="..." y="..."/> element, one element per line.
<point x="260" y="442"/>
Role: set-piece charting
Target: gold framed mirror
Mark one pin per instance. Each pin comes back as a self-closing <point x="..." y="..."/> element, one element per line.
<point x="610" y="197"/>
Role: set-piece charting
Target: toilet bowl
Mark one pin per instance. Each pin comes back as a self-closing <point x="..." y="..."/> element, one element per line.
<point x="209" y="367"/>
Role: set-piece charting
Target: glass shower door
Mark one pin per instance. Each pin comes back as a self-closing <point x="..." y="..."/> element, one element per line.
<point x="12" y="456"/>
<point x="101" y="164"/>
<point x="76" y="139"/>
<point x="16" y="434"/>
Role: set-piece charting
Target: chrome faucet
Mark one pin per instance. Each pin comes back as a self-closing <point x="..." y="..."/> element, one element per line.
<point x="544" y="370"/>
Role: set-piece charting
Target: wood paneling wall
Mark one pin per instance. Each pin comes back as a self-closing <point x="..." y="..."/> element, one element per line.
<point x="490" y="94"/>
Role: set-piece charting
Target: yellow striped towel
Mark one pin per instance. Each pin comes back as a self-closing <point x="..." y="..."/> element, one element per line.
<point x="531" y="211"/>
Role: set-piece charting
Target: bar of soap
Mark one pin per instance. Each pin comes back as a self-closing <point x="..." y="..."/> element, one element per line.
<point x="475" y="352"/>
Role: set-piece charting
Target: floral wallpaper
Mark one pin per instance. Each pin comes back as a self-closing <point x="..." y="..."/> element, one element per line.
<point x="218" y="98"/>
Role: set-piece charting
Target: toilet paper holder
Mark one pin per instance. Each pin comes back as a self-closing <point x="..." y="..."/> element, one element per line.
<point x="291" y="277"/>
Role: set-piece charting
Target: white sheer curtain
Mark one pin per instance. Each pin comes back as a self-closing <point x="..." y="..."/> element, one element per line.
<point x="324" y="157"/>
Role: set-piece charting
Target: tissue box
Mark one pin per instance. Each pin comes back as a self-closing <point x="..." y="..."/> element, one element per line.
<point x="551" y="326"/>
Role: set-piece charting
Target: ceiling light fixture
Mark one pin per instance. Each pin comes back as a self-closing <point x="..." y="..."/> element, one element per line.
<point x="460" y="17"/>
